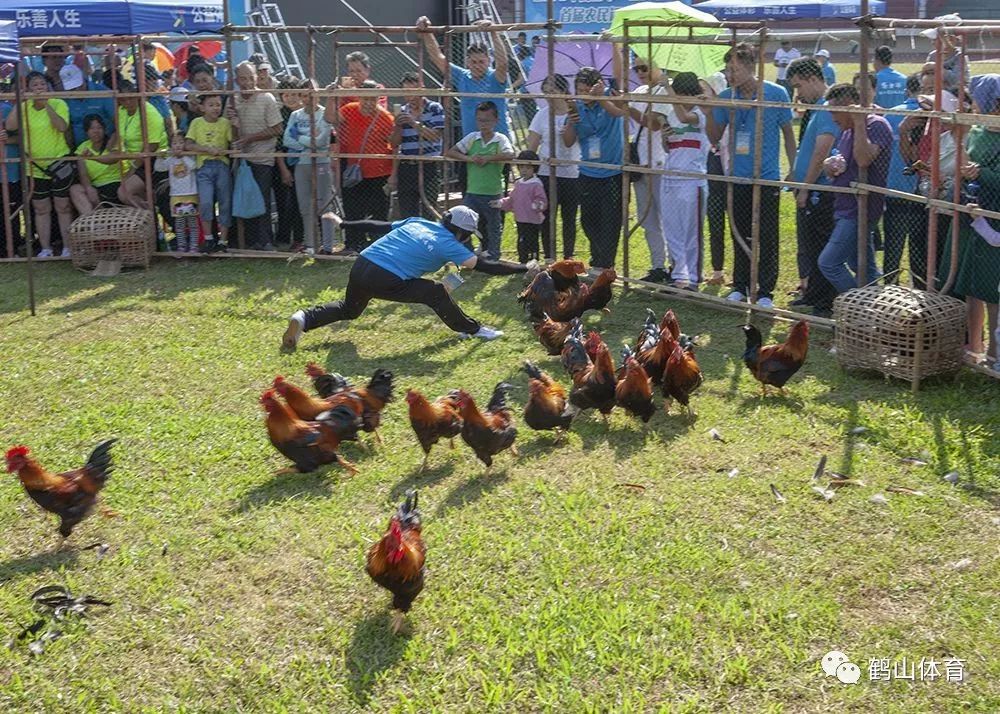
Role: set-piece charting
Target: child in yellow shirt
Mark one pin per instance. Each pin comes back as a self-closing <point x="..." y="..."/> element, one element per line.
<point x="209" y="136"/>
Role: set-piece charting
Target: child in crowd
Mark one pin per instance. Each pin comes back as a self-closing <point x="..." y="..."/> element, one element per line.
<point x="183" y="195"/>
<point x="210" y="136"/>
<point x="528" y="202"/>
<point x="687" y="148"/>
<point x="486" y="150"/>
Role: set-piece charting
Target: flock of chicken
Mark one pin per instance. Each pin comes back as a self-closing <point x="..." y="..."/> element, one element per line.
<point x="308" y="429"/>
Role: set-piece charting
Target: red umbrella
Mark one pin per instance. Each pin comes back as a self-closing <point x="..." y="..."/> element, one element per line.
<point x="209" y="49"/>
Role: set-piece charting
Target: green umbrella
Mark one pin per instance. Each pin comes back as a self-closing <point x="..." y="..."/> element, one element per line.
<point x="703" y="60"/>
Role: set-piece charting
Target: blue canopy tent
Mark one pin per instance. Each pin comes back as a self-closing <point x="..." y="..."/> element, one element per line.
<point x="787" y="9"/>
<point x="8" y="42"/>
<point x="162" y="16"/>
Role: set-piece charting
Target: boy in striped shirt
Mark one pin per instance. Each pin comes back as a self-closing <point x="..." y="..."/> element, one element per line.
<point x="417" y="132"/>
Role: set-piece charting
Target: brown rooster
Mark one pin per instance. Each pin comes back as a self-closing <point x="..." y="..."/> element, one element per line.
<point x="305" y="406"/>
<point x="552" y="334"/>
<point x="654" y="352"/>
<point x="565" y="274"/>
<point x="594" y="376"/>
<point x="599" y="292"/>
<point x="433" y="420"/>
<point x="491" y="431"/>
<point x="70" y="495"/>
<point x="308" y="444"/>
<point x="544" y="297"/>
<point x="682" y="375"/>
<point x="633" y="392"/>
<point x="547" y="408"/>
<point x="774" y="365"/>
<point x="396" y="561"/>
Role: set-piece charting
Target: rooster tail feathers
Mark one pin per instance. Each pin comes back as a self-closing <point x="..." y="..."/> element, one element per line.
<point x="408" y="512"/>
<point x="532" y="370"/>
<point x="626" y="353"/>
<point x="381" y="384"/>
<point x="499" y="399"/>
<point x="100" y="464"/>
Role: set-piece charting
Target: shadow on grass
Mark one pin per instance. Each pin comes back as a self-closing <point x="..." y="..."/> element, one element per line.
<point x="286" y="487"/>
<point x="40" y="562"/>
<point x="373" y="650"/>
<point x="478" y="486"/>
<point x="418" y="479"/>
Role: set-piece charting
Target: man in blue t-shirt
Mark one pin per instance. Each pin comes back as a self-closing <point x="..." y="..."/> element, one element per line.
<point x="904" y="219"/>
<point x="741" y="63"/>
<point x="865" y="142"/>
<point x="392" y="267"/>
<point x="890" y="85"/>
<point x="814" y="208"/>
<point x="474" y="80"/>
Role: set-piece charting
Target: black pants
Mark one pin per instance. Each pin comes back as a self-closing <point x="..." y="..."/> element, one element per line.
<point x="369" y="281"/>
<point x="408" y="188"/>
<point x="569" y="202"/>
<point x="601" y="217"/>
<point x="365" y="200"/>
<point x="767" y="274"/>
<point x="904" y="220"/>
<point x="527" y="241"/>
<point x="289" y="219"/>
<point x="257" y="231"/>
<point x="15" y="221"/>
<point x="716" y="211"/>
<point x="815" y="224"/>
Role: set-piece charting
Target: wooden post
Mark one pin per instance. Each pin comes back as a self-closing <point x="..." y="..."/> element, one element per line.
<point x="550" y="51"/>
<point x="758" y="140"/>
<point x="866" y="100"/>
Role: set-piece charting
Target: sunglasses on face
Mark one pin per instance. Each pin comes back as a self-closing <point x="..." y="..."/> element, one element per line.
<point x="641" y="68"/>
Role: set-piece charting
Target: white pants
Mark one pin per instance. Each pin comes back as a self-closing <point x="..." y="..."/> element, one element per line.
<point x="683" y="203"/>
<point x="648" y="187"/>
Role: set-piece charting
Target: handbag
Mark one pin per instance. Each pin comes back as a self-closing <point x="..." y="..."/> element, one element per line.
<point x="248" y="201"/>
<point x="60" y="170"/>
<point x="352" y="176"/>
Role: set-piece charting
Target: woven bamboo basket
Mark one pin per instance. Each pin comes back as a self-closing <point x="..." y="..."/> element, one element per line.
<point x="114" y="233"/>
<point x="900" y="332"/>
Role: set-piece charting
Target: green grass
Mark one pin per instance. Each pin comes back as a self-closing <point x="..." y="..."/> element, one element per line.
<point x="551" y="586"/>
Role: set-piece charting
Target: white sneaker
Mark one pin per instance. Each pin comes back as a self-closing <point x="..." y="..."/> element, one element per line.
<point x="65" y="253"/>
<point x="44" y="253"/>
<point x="765" y="302"/>
<point x="484" y="332"/>
<point x="736" y="296"/>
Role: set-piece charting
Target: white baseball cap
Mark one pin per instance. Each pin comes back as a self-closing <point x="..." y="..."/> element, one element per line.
<point x="949" y="102"/>
<point x="822" y="53"/>
<point x="178" y="94"/>
<point x="71" y="76"/>
<point x="466" y="219"/>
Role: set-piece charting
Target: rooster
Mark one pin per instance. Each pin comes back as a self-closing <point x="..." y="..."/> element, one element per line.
<point x="547" y="408"/>
<point x="491" y="431"/>
<point x="565" y="274"/>
<point x="633" y="392"/>
<point x="325" y="384"/>
<point x="594" y="380"/>
<point x="544" y="296"/>
<point x="774" y="365"/>
<point x="396" y="561"/>
<point x="670" y="321"/>
<point x="305" y="406"/>
<point x="433" y="420"/>
<point x="552" y="334"/>
<point x="599" y="293"/>
<point x="70" y="495"/>
<point x="373" y="398"/>
<point x="653" y="353"/>
<point x="682" y="375"/>
<point x="308" y="444"/>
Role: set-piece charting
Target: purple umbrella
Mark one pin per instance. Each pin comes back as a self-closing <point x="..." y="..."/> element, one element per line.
<point x="570" y="57"/>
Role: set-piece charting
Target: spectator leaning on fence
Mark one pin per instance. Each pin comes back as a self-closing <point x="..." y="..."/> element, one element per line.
<point x="260" y="125"/>
<point x="290" y="231"/>
<point x="567" y="148"/>
<point x="904" y="221"/>
<point x="418" y="130"/>
<point x="210" y="136"/>
<point x="476" y="78"/>
<point x="308" y="134"/>
<point x="98" y="169"/>
<point x="44" y="143"/>
<point x="718" y="191"/>
<point x="129" y="139"/>
<point x="183" y="194"/>
<point x="359" y="71"/>
<point x="814" y="208"/>
<point x="364" y="127"/>
<point x="597" y="123"/>
<point x="865" y="141"/>
<point x="11" y="151"/>
<point x="527" y="201"/>
<point x="890" y="85"/>
<point x="741" y="67"/>
<point x="648" y="145"/>
<point x="486" y="150"/>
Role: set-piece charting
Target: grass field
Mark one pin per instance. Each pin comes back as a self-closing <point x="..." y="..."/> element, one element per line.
<point x="552" y="587"/>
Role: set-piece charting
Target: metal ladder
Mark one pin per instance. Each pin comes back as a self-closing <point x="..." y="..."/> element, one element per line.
<point x="276" y="46"/>
<point x="487" y="10"/>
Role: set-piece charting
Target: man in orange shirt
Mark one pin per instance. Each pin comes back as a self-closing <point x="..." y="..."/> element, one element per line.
<point x="363" y="127"/>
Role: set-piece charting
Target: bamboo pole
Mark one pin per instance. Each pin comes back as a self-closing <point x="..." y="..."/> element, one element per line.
<point x="758" y="140"/>
<point x="935" y="129"/>
<point x="27" y="185"/>
<point x="956" y="196"/>
<point x="626" y="177"/>
<point x="139" y="66"/>
<point x="866" y="100"/>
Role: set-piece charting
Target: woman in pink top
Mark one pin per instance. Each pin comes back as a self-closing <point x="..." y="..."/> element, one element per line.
<point x="527" y="201"/>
